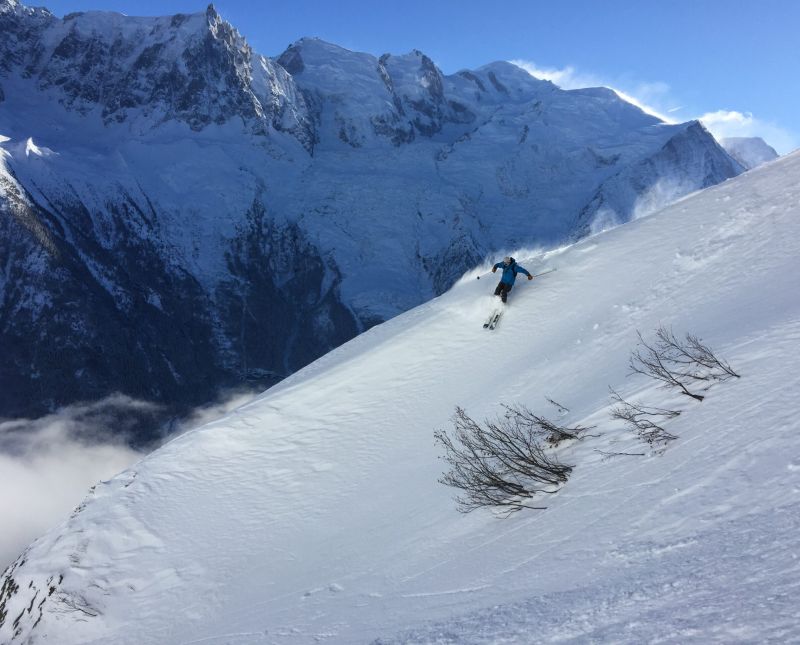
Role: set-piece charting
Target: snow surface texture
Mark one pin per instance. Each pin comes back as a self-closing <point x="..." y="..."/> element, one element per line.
<point x="749" y="151"/>
<point x="217" y="217"/>
<point x="313" y="514"/>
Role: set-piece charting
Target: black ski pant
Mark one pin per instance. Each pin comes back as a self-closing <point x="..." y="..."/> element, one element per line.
<point x="502" y="290"/>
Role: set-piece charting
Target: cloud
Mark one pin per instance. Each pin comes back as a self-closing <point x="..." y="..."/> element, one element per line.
<point x="47" y="465"/>
<point x="656" y="98"/>
<point x="730" y="123"/>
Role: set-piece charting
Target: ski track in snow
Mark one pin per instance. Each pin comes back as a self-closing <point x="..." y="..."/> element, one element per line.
<point x="312" y="514"/>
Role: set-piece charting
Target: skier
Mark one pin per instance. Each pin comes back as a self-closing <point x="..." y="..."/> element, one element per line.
<point x="510" y="270"/>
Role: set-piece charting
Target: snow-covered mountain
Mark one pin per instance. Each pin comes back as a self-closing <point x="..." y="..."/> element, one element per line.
<point x="749" y="151"/>
<point x="181" y="213"/>
<point x="313" y="513"/>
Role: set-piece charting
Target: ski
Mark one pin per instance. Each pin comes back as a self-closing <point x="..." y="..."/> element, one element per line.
<point x="493" y="319"/>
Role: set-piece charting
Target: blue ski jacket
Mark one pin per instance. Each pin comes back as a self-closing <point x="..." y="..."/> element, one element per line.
<point x="510" y="272"/>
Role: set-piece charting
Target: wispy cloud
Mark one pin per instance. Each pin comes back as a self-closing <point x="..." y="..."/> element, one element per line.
<point x="227" y="403"/>
<point x="656" y="98"/>
<point x="48" y="464"/>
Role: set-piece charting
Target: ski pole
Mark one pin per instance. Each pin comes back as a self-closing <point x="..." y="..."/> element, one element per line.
<point x="535" y="275"/>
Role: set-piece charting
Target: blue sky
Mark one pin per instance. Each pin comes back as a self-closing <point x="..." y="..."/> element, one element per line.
<point x="732" y="62"/>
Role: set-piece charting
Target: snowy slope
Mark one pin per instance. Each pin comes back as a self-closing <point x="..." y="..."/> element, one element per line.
<point x="313" y="513"/>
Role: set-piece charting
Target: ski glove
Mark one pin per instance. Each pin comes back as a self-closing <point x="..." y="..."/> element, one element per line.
<point x="530" y="277"/>
<point x="494" y="269"/>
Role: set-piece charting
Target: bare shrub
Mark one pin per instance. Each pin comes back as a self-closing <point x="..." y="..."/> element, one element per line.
<point x="550" y="431"/>
<point x="500" y="463"/>
<point x="679" y="363"/>
<point x="645" y="420"/>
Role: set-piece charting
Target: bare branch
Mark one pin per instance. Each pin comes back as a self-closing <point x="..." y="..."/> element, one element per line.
<point x="609" y="455"/>
<point x="557" y="405"/>
<point x="654" y="361"/>
<point x="541" y="426"/>
<point x="703" y="355"/>
<point x="645" y="420"/>
<point x="678" y="363"/>
<point x="500" y="463"/>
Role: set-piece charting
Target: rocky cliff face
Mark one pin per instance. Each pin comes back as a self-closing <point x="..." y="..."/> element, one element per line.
<point x="195" y="69"/>
<point x="82" y="316"/>
<point x="181" y="214"/>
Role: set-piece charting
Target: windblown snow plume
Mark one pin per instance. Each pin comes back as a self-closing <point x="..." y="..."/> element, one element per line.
<point x="604" y="219"/>
<point x="665" y="191"/>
